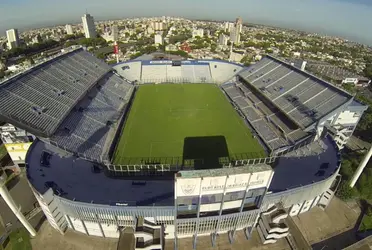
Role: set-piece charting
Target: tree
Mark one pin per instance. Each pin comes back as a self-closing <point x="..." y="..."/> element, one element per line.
<point x="347" y="169"/>
<point x="345" y="192"/>
<point x="180" y="53"/>
<point x="213" y="48"/>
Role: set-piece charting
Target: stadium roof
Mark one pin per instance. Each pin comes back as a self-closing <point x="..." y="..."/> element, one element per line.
<point x="75" y="180"/>
<point x="302" y="97"/>
<point x="39" y="99"/>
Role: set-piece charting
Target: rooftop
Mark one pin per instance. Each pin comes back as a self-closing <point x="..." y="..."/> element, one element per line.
<point x="74" y="178"/>
<point x="224" y="171"/>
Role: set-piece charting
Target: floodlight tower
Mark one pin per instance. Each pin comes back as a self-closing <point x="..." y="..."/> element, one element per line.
<point x="12" y="205"/>
<point x="360" y="168"/>
<point x="116" y="51"/>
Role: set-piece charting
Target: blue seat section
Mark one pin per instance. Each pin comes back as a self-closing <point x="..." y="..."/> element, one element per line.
<point x="40" y="98"/>
<point x="85" y="129"/>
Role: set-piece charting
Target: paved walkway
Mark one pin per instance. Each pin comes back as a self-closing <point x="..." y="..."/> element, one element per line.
<point x="222" y="243"/>
<point x="339" y="218"/>
<point x="49" y="238"/>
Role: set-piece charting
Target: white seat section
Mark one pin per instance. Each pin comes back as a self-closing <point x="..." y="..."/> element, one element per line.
<point x="223" y="71"/>
<point x="202" y="73"/>
<point x="187" y="72"/>
<point x="153" y="73"/>
<point x="174" y="73"/>
<point x="130" y="70"/>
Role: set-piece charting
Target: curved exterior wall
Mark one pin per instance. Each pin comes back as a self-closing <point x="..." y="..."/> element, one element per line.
<point x="298" y="195"/>
<point x="105" y="220"/>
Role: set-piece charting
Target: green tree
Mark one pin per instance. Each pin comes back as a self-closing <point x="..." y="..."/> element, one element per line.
<point x="213" y="48"/>
<point x="345" y="192"/>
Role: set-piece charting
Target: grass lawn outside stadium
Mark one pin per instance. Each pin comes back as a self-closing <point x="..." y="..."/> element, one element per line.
<point x="166" y="121"/>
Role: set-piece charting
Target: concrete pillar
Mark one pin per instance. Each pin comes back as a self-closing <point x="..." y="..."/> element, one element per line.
<point x="12" y="205"/>
<point x="360" y="168"/>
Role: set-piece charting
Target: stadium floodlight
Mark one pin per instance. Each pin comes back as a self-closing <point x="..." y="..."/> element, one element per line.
<point x="12" y="205"/>
<point x="361" y="167"/>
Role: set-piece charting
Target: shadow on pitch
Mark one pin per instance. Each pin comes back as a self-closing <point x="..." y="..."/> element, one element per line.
<point x="205" y="152"/>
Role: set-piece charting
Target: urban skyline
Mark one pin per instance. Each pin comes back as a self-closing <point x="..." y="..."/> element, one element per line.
<point x="344" y="18"/>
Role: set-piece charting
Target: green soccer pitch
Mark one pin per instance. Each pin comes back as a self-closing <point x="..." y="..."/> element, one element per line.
<point x="162" y="116"/>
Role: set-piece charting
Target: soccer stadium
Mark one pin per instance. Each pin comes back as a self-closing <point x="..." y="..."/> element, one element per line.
<point x="171" y="149"/>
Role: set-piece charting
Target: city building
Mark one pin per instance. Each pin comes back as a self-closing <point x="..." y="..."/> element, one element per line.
<point x="230" y="27"/>
<point x="13" y="38"/>
<point x="158" y="39"/>
<point x="235" y="35"/>
<point x="239" y="24"/>
<point x="69" y="30"/>
<point x="115" y="32"/>
<point x="158" y="26"/>
<point x="17" y="141"/>
<point x="89" y="26"/>
<point x="171" y="47"/>
<point x="36" y="39"/>
<point x="222" y="39"/>
<point x="150" y="30"/>
<point x="197" y="32"/>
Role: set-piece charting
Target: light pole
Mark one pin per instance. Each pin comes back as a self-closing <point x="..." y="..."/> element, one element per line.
<point x="360" y="168"/>
<point x="12" y="205"/>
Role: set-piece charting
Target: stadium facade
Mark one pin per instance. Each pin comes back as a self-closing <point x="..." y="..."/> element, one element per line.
<point x="63" y="118"/>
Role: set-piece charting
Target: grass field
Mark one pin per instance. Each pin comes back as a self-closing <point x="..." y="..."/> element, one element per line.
<point x="19" y="240"/>
<point x="170" y="120"/>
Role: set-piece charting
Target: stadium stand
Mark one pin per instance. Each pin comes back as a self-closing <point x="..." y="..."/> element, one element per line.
<point x="155" y="73"/>
<point x="187" y="72"/>
<point x="223" y="71"/>
<point x="302" y="97"/>
<point x="202" y="73"/>
<point x="42" y="111"/>
<point x="130" y="70"/>
<point x="85" y="129"/>
<point x="269" y="125"/>
<point x="173" y="72"/>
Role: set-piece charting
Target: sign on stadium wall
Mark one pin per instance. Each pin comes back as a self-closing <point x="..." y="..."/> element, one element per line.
<point x="188" y="187"/>
<point x="213" y="185"/>
<point x="216" y="185"/>
<point x="237" y="182"/>
<point x="260" y="179"/>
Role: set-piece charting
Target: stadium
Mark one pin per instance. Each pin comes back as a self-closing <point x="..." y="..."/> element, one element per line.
<point x="175" y="149"/>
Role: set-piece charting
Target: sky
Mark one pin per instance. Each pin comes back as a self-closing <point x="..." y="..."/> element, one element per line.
<point x="351" y="19"/>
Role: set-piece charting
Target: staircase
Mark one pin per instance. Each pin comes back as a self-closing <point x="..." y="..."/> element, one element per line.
<point x="148" y="235"/>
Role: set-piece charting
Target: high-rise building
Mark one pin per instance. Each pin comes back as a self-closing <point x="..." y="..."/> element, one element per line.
<point x="222" y="40"/>
<point x="158" y="26"/>
<point x="89" y="27"/>
<point x="158" y="39"/>
<point x="115" y="32"/>
<point x="230" y="27"/>
<point x="235" y="30"/>
<point x="239" y="20"/>
<point x="69" y="30"/>
<point x="13" y="38"/>
<point x="235" y="35"/>
<point x="239" y="24"/>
